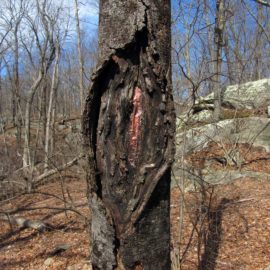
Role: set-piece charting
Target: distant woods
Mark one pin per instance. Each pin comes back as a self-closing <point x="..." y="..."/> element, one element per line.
<point x="48" y="51"/>
<point x="218" y="43"/>
<point x="243" y="52"/>
<point x="41" y="47"/>
<point x="47" y="54"/>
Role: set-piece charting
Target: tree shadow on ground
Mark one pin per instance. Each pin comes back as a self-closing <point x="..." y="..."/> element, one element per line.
<point x="214" y="237"/>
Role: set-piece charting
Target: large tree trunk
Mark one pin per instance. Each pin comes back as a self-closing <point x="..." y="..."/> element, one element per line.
<point x="129" y="126"/>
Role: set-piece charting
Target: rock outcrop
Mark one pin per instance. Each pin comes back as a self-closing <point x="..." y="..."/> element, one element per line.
<point x="240" y="128"/>
<point x="250" y="95"/>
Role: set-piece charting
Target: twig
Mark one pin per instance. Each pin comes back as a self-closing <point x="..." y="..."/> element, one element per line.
<point x="262" y="2"/>
<point x="54" y="171"/>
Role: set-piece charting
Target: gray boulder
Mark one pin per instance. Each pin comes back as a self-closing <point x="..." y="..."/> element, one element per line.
<point x="250" y="95"/>
<point x="252" y="130"/>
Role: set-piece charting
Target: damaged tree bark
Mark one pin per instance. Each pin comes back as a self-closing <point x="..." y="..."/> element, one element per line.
<point x="128" y="128"/>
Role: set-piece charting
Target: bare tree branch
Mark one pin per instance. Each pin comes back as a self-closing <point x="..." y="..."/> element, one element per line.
<point x="262" y="2"/>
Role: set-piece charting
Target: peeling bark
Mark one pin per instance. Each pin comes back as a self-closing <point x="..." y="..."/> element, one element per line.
<point x="128" y="127"/>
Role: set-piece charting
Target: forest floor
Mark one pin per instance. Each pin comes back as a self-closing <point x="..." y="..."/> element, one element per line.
<point x="235" y="231"/>
<point x="223" y="227"/>
<point x="233" y="234"/>
<point x="63" y="244"/>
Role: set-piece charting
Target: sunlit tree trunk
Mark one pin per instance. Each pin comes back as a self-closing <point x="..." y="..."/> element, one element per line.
<point x="219" y="28"/>
<point x="128" y="127"/>
<point x="46" y="51"/>
<point x="228" y="58"/>
<point x="50" y="113"/>
<point x="79" y="48"/>
<point x="17" y="100"/>
<point x="258" y="53"/>
<point x="210" y="46"/>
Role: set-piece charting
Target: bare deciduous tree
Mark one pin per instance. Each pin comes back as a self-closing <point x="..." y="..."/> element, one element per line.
<point x="219" y="28"/>
<point x="46" y="49"/>
<point x="79" y="48"/>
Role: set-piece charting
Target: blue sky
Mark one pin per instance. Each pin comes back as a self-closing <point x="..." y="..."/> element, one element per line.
<point x="88" y="12"/>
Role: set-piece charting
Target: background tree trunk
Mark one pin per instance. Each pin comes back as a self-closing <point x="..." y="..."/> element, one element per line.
<point x="49" y="121"/>
<point x="17" y="105"/>
<point x="258" y="53"/>
<point x="128" y="126"/>
<point x="79" y="48"/>
<point x="219" y="28"/>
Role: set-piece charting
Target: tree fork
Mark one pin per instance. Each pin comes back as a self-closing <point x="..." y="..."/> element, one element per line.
<point x="128" y="127"/>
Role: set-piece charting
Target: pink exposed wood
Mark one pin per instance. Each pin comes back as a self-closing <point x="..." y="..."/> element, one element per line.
<point x="135" y="126"/>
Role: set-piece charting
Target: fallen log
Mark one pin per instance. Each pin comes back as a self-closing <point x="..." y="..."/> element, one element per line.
<point x="24" y="223"/>
<point x="58" y="169"/>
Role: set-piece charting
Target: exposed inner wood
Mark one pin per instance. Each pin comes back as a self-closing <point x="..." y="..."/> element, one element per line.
<point x="135" y="126"/>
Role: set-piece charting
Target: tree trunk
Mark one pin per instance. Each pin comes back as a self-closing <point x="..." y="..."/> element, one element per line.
<point x="29" y="100"/>
<point x="43" y="108"/>
<point x="128" y="127"/>
<point x="49" y="121"/>
<point x="219" y="28"/>
<point x="210" y="46"/>
<point x="17" y="105"/>
<point x="228" y="58"/>
<point x="79" y="47"/>
<point x="258" y="53"/>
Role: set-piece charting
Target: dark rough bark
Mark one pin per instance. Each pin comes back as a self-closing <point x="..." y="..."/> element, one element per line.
<point x="128" y="127"/>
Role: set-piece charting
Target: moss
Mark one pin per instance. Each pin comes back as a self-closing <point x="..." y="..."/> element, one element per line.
<point x="192" y="124"/>
<point x="225" y="115"/>
<point x="231" y="114"/>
